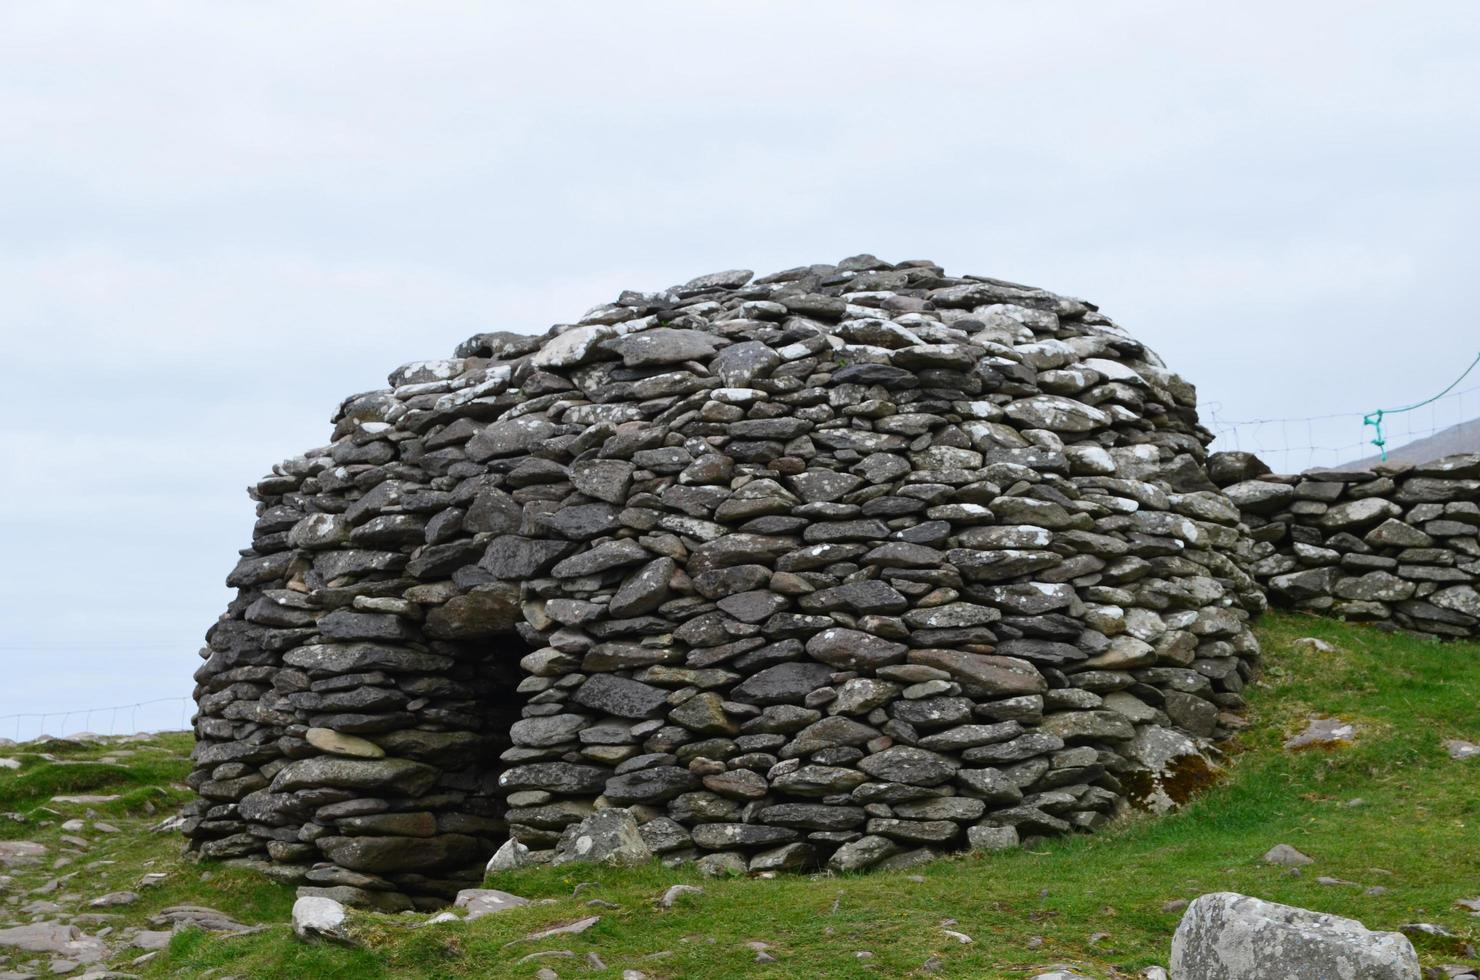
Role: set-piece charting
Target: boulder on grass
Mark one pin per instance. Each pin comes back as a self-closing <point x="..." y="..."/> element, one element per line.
<point x="316" y="919"/>
<point x="1227" y="936"/>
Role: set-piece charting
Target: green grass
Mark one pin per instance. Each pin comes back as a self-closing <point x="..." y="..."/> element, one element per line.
<point x="145" y="775"/>
<point x="1092" y="901"/>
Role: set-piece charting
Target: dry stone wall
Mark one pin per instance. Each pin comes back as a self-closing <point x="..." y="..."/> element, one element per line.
<point x="851" y="564"/>
<point x="1398" y="545"/>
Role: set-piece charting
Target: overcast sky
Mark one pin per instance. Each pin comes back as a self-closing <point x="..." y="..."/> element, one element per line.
<point x="217" y="219"/>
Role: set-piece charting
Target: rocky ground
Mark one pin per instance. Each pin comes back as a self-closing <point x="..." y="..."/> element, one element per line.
<point x="1353" y="793"/>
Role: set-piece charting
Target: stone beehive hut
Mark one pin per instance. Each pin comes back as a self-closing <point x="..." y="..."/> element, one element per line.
<point x="843" y="563"/>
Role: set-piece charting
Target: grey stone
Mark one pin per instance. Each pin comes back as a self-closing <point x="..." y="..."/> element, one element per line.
<point x="621" y="696"/>
<point x="605" y="837"/>
<point x="55" y="938"/>
<point x="983" y="675"/>
<point x="862" y="853"/>
<point x="1358" y="514"/>
<point x="479" y="902"/>
<point x="848" y="649"/>
<point x="1057" y="414"/>
<point x="321" y="919"/>
<point x="601" y="558"/>
<point x="727" y="836"/>
<point x="557" y="777"/>
<point x="1286" y="856"/>
<point x="984" y="837"/>
<point x="515" y="558"/>
<point x="511" y="436"/>
<point x="905" y="764"/>
<point x="486" y="611"/>
<point x="663" y="346"/>
<point x="380" y="855"/>
<point x="785" y="683"/>
<point x="656" y="785"/>
<point x="645" y="589"/>
<point x="371" y="775"/>
<point x="21" y="853"/>
<point x="740" y="364"/>
<point x="1260" y="497"/>
<point x="1226" y="936"/>
<point x="548" y="730"/>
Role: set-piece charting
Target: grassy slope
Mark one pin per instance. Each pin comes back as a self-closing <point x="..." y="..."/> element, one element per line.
<point x="1091" y="901"/>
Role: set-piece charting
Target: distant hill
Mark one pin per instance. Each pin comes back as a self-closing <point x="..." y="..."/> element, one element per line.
<point x="1461" y="438"/>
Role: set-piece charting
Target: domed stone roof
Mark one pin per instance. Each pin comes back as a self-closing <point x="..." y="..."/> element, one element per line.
<point x="848" y="564"/>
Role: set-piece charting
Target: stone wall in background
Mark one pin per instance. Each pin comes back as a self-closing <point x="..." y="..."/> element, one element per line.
<point x="848" y="565"/>
<point x="1398" y="545"/>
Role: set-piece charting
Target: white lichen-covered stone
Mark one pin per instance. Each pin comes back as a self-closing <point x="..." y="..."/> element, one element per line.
<point x="510" y="856"/>
<point x="479" y="902"/>
<point x="316" y="918"/>
<point x="1171" y="765"/>
<point x="605" y="837"/>
<point x="1227" y="936"/>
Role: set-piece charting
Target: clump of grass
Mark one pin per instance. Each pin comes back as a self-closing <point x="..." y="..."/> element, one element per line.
<point x="148" y="777"/>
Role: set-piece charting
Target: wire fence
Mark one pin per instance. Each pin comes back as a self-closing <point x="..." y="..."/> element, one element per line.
<point x="31" y="725"/>
<point x="1290" y="445"/>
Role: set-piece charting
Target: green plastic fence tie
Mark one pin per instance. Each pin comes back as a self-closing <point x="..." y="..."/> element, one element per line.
<point x="1374" y="419"/>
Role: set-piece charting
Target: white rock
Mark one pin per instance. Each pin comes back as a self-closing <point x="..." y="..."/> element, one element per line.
<point x="605" y="837"/>
<point x="510" y="856"/>
<point x="1056" y="413"/>
<point x="1091" y="460"/>
<point x="486" y="901"/>
<point x="1114" y="370"/>
<point x="320" y="918"/>
<point x="576" y="346"/>
<point x="1458" y="749"/>
<point x="1322" y="733"/>
<point x="1226" y="936"/>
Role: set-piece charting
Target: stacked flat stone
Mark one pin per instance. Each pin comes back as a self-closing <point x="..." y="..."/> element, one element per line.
<point x="851" y="564"/>
<point x="1399" y="545"/>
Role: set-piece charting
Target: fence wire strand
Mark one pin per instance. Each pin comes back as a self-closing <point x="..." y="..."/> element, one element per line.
<point x="87" y="715"/>
<point x="1296" y="443"/>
